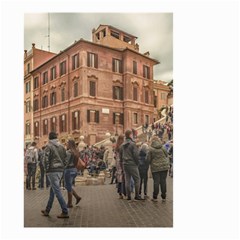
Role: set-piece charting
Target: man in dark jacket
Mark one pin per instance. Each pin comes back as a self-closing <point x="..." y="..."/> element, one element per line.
<point x="54" y="162"/>
<point x="128" y="155"/>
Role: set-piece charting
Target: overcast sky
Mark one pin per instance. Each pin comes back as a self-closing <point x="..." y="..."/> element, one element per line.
<point x="154" y="32"/>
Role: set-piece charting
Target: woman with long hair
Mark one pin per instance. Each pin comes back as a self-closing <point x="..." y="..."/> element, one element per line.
<point x="70" y="172"/>
<point x="119" y="169"/>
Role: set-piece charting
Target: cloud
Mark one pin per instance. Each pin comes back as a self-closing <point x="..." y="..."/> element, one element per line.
<point x="154" y="32"/>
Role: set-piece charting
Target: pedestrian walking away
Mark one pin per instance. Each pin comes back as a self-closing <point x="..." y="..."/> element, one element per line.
<point x="54" y="163"/>
<point x="159" y="163"/>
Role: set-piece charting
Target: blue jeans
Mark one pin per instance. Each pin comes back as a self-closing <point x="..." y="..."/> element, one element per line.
<point x="54" y="179"/>
<point x="131" y="172"/>
<point x="69" y="176"/>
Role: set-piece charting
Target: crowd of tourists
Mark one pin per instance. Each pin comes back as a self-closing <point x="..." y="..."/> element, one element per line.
<point x="130" y="163"/>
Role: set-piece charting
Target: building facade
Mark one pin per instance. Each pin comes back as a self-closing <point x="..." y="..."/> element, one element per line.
<point x="94" y="87"/>
<point x="32" y="59"/>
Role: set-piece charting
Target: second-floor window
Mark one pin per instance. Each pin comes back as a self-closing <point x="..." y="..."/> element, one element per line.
<point x="118" y="92"/>
<point x="63" y="94"/>
<point x="53" y="73"/>
<point x="45" y="77"/>
<point x="92" y="60"/>
<point x="28" y="106"/>
<point x="62" y="68"/>
<point x="63" y="123"/>
<point x="45" y="101"/>
<point x="45" y="127"/>
<point x="135" y="93"/>
<point x="53" y="98"/>
<point x="92" y="116"/>
<point x="35" y="105"/>
<point x="36" y="82"/>
<point x="116" y="65"/>
<point x="92" y="88"/>
<point x="53" y="124"/>
<point x="118" y="118"/>
<point x="28" y="128"/>
<point x="75" y="61"/>
<point x="146" y="72"/>
<point x="75" y="89"/>
<point x="146" y="96"/>
<point x="36" y="129"/>
<point x="134" y="67"/>
<point x="135" y="118"/>
<point x="75" y="120"/>
<point x="28" y="87"/>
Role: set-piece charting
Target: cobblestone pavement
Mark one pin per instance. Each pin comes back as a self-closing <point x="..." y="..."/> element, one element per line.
<point x="100" y="207"/>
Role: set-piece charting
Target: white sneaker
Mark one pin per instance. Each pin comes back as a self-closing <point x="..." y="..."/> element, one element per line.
<point x="163" y="200"/>
<point x="154" y="200"/>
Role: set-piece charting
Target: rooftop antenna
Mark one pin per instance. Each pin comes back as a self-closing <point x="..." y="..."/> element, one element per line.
<point x="48" y="32"/>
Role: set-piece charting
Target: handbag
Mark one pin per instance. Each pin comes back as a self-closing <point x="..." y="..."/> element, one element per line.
<point x="80" y="165"/>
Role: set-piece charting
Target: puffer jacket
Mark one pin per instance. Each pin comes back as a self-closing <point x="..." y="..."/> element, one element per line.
<point x="52" y="162"/>
<point x="158" y="157"/>
<point x="128" y="153"/>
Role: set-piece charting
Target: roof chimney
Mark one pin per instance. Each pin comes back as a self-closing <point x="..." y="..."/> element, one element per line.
<point x="33" y="45"/>
<point x="25" y="53"/>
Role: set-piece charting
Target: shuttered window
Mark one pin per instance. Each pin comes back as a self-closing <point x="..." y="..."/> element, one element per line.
<point x="63" y="123"/>
<point x="134" y="67"/>
<point x="75" y="94"/>
<point x="53" y="98"/>
<point x="45" y="101"/>
<point x="35" y="105"/>
<point x="53" y="124"/>
<point x="53" y="73"/>
<point x="116" y="65"/>
<point x="92" y="60"/>
<point x="75" y="61"/>
<point x="117" y="92"/>
<point x="146" y="72"/>
<point x="146" y="96"/>
<point x="45" y="127"/>
<point x="45" y="77"/>
<point x="75" y="120"/>
<point x="92" y="88"/>
<point x="135" y="93"/>
<point x="36" y="129"/>
<point x="62" y="68"/>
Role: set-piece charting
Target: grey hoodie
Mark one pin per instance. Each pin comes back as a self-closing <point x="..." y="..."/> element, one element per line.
<point x="128" y="153"/>
<point x="158" y="157"/>
<point x="54" y="157"/>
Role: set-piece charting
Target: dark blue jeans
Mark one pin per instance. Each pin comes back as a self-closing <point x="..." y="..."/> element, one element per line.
<point x="31" y="172"/>
<point x="159" y="180"/>
<point x="54" y="179"/>
<point x="69" y="176"/>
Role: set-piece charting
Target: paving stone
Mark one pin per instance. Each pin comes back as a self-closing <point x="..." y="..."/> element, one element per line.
<point x="100" y="207"/>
